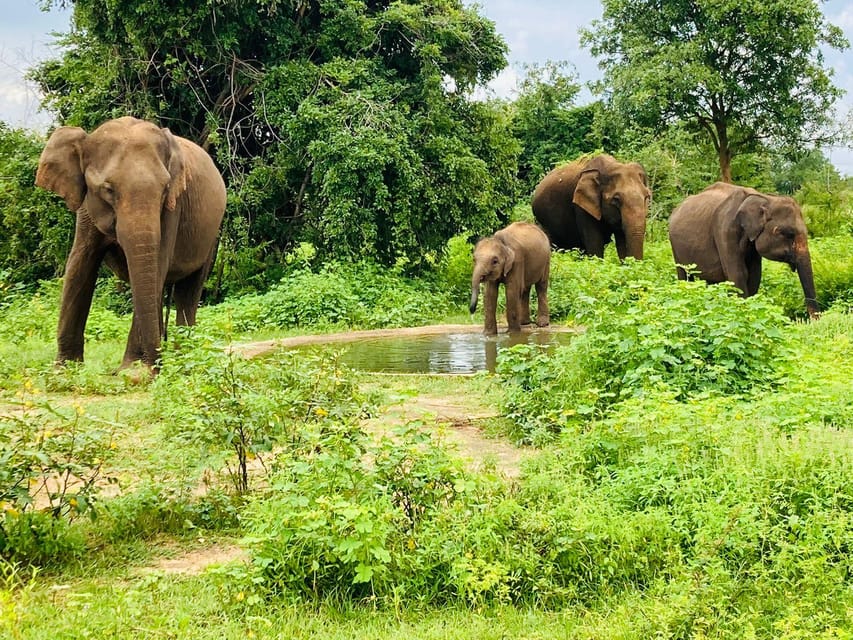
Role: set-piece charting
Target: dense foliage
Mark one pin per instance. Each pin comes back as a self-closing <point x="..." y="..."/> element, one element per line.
<point x="643" y="336"/>
<point x="548" y="125"/>
<point x="344" y="124"/>
<point x="35" y="228"/>
<point x="730" y="85"/>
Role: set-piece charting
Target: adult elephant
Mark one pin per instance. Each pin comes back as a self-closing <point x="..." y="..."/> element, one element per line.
<point x="725" y="230"/>
<point x="149" y="205"/>
<point x="519" y="256"/>
<point x="583" y="204"/>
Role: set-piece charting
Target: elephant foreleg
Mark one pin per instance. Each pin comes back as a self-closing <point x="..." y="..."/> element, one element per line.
<point x="513" y="306"/>
<point x="592" y="235"/>
<point x="81" y="272"/>
<point x="490" y="307"/>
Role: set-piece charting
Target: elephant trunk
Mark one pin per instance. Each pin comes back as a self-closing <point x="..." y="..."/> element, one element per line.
<point x="141" y="245"/>
<point x="476" y="279"/>
<point x="803" y="266"/>
<point x="635" y="234"/>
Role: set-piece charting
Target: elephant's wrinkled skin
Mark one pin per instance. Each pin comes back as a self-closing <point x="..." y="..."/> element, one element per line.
<point x="149" y="205"/>
<point x="518" y="256"/>
<point x="583" y="204"/>
<point x="725" y="230"/>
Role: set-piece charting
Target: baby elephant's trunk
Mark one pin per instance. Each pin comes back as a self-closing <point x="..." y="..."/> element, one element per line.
<point x="475" y="290"/>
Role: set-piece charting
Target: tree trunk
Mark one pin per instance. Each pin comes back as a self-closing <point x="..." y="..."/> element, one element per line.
<point x="724" y="152"/>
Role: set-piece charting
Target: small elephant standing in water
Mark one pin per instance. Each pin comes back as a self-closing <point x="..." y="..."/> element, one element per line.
<point x="518" y="256"/>
<point x="725" y="230"/>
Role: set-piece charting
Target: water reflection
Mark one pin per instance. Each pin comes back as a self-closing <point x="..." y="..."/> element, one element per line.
<point x="447" y="353"/>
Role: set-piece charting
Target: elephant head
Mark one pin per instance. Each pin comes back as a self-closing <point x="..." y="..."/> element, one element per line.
<point x="126" y="178"/>
<point x="493" y="260"/>
<point x="617" y="194"/>
<point x="775" y="225"/>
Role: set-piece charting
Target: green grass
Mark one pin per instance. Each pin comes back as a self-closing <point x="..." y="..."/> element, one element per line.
<point x="673" y="511"/>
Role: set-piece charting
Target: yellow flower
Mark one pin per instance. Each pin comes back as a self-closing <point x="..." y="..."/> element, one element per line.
<point x="240" y="596"/>
<point x="73" y="502"/>
<point x="79" y="409"/>
<point x="321" y="412"/>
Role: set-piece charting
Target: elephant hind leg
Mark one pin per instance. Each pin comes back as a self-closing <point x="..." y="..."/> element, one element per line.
<point x="187" y="292"/>
<point x="525" y="306"/>
<point x="187" y="295"/>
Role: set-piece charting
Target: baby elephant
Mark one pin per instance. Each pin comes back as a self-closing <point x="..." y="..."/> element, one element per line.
<point x="519" y="256"/>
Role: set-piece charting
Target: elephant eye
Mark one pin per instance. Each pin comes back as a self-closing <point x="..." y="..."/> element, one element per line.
<point x="107" y="192"/>
<point x="495" y="260"/>
<point x="617" y="200"/>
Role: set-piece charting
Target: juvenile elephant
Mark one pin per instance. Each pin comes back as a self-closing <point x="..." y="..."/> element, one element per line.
<point x="583" y="204"/>
<point x="518" y="256"/>
<point x="725" y="230"/>
<point x="149" y="205"/>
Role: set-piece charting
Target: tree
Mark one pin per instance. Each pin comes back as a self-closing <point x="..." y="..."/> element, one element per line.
<point x="548" y="125"/>
<point x="345" y="123"/>
<point x="35" y="228"/>
<point x="741" y="72"/>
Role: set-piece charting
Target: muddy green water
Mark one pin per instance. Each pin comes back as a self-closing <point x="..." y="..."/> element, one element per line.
<point x="447" y="353"/>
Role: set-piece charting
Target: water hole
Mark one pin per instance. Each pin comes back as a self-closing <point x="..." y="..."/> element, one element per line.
<point x="454" y="353"/>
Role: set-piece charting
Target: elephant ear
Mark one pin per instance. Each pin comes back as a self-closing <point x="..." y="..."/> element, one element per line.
<point x="177" y="169"/>
<point x="509" y="259"/>
<point x="588" y="193"/>
<point x="752" y="215"/>
<point x="60" y="169"/>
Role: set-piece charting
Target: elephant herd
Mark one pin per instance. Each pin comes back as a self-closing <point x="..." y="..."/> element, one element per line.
<point x="724" y="231"/>
<point x="149" y="205"/>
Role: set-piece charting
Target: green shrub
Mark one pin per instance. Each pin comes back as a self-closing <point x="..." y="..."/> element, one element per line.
<point x="344" y="515"/>
<point x="156" y="509"/>
<point x="50" y="474"/>
<point x="359" y="295"/>
<point x="684" y="337"/>
<point x="224" y="404"/>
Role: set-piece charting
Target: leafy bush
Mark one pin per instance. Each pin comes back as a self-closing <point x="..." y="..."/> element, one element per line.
<point x="156" y="509"/>
<point x="339" y="294"/>
<point x="50" y="473"/>
<point x="684" y="337"/>
<point x="216" y="399"/>
<point x="345" y="515"/>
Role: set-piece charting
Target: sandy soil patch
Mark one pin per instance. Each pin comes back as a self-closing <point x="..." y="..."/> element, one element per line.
<point x="195" y="562"/>
<point x="456" y="419"/>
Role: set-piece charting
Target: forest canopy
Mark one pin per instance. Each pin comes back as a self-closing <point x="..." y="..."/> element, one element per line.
<point x="342" y="123"/>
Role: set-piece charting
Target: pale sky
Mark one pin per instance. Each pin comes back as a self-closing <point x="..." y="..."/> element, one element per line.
<point x="534" y="31"/>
